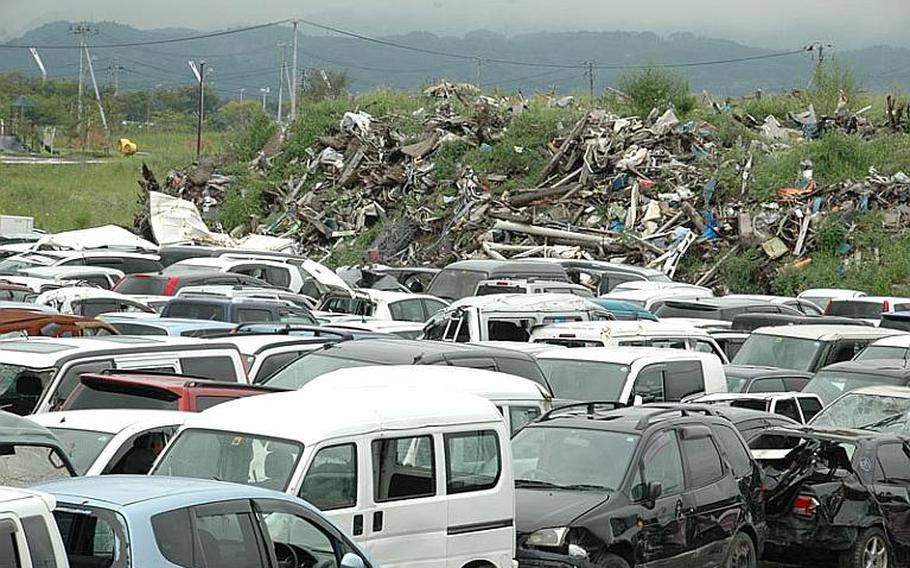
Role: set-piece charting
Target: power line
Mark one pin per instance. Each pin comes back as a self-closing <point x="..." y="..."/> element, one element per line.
<point x="152" y="42"/>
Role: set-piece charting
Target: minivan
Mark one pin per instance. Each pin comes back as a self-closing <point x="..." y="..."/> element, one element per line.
<point x="508" y="317"/>
<point x="44" y="371"/>
<point x="413" y="477"/>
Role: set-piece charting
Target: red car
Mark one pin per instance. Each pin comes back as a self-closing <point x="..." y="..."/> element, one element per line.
<point x="148" y="390"/>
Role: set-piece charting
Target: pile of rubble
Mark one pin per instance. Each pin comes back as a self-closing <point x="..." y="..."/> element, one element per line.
<point x="639" y="190"/>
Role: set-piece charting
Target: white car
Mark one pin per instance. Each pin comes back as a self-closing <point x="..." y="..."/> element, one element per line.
<point x="867" y="308"/>
<point x="893" y="347"/>
<point x="798" y="406"/>
<point x="405" y="329"/>
<point x="806" y="307"/>
<point x="821" y="296"/>
<point x="631" y="374"/>
<point x="384" y="305"/>
<point x="651" y="285"/>
<point x="530" y="286"/>
<point x="82" y="301"/>
<point x="126" y="261"/>
<point x="653" y="299"/>
<point x="638" y="333"/>
<point x="102" y="442"/>
<point x="28" y="533"/>
<point x="99" y="276"/>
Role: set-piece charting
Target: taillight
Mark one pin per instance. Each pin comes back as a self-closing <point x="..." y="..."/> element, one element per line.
<point x="828" y="308"/>
<point x="171" y="286"/>
<point x="805" y="505"/>
<point x="886" y="306"/>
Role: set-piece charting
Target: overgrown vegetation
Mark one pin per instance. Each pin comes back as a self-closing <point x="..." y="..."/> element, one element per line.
<point x="656" y="88"/>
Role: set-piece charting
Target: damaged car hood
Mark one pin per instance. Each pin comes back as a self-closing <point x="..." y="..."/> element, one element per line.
<point x="542" y="508"/>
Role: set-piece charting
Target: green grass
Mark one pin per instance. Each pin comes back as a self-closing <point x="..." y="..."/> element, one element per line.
<point x="64" y="197"/>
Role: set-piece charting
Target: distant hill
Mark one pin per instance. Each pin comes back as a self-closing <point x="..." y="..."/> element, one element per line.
<point x="250" y="60"/>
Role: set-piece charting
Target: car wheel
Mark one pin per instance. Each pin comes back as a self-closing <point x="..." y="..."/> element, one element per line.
<point x="871" y="550"/>
<point x="742" y="552"/>
<point x="609" y="560"/>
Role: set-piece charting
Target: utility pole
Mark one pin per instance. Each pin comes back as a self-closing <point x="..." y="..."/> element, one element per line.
<point x="284" y="62"/>
<point x="478" y="72"/>
<point x="241" y="94"/>
<point x="200" y="78"/>
<point x="115" y="68"/>
<point x="265" y="96"/>
<point x="590" y="74"/>
<point x="91" y="71"/>
<point x="819" y="49"/>
<point x="294" y="75"/>
<point x="81" y="30"/>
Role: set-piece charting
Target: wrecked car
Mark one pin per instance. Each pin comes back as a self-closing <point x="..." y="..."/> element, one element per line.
<point x="601" y="485"/>
<point x="836" y="496"/>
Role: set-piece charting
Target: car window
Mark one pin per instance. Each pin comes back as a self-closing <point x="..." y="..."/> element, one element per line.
<point x="297" y="540"/>
<point x="844" y="351"/>
<point x="247" y="315"/>
<point x="206" y="402"/>
<point x="773" y="384"/>
<point x="662" y="463"/>
<point x="331" y="480"/>
<point x="134" y="265"/>
<point x="893" y="464"/>
<point x="9" y="553"/>
<point x="228" y="540"/>
<point x="136" y="455"/>
<point x="138" y="329"/>
<point x="809" y="308"/>
<point x="472" y="461"/>
<point x="704" y="346"/>
<point x="795" y="383"/>
<point x="174" y="536"/>
<point x="215" y="367"/>
<point x="403" y="468"/>
<point x="430" y="307"/>
<point x="521" y="416"/>
<point x="40" y="546"/>
<point x="509" y="330"/>
<point x="93" y="537"/>
<point x="737" y="454"/>
<point x="407" y="310"/>
<point x="788" y="408"/>
<point x="71" y="378"/>
<point x="649" y="384"/>
<point x="702" y="461"/>
<point x="810" y="407"/>
<point x="686" y="378"/>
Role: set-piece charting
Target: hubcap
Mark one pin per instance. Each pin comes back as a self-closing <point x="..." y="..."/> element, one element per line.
<point x="743" y="557"/>
<point x="876" y="554"/>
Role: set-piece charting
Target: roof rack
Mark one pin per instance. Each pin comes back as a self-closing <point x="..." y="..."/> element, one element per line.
<point x="590" y="408"/>
<point x="288" y="329"/>
<point x="646" y="420"/>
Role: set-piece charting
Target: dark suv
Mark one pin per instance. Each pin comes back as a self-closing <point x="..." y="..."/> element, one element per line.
<point x="618" y="487"/>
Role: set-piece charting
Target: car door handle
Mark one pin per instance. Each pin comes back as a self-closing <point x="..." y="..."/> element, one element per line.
<point x="377" y="521"/>
<point x="679" y="509"/>
<point x="357" y="529"/>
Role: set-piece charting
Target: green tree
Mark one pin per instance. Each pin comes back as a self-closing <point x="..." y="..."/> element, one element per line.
<point x="237" y="115"/>
<point x="656" y="88"/>
<point x="320" y="85"/>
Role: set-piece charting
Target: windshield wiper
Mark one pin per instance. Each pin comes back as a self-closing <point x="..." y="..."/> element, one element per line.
<point x="887" y="420"/>
<point x="585" y="487"/>
<point x="536" y="483"/>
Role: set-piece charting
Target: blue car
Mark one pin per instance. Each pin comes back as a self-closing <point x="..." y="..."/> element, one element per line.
<point x="624" y="310"/>
<point x="165" y="522"/>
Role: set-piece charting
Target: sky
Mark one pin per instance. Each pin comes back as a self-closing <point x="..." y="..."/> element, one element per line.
<point x="777" y="24"/>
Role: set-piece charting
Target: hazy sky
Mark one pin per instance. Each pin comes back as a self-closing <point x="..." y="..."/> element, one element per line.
<point x="768" y="23"/>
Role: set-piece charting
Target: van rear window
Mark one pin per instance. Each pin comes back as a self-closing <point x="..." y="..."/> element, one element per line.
<point x="454" y="283"/>
<point x="95" y="396"/>
<point x="142" y="284"/>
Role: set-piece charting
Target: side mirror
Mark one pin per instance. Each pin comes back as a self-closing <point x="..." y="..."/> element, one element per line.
<point x="351" y="560"/>
<point x="655" y="490"/>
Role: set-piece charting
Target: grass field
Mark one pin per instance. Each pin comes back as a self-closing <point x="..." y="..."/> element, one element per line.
<point x="62" y="197"/>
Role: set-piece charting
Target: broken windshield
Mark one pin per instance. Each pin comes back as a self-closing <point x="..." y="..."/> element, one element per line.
<point x="866" y="412"/>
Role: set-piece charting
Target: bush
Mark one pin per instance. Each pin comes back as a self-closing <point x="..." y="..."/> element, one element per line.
<point x="656" y="88"/>
<point x="247" y="142"/>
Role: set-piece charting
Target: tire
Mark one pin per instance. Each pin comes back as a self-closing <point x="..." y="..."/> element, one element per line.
<point x="871" y="550"/>
<point x="610" y="560"/>
<point x="742" y="552"/>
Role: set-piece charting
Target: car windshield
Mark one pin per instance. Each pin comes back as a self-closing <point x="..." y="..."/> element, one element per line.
<point x="820" y="301"/>
<point x="19" y="387"/>
<point x="572" y="458"/>
<point x="304" y="369"/>
<point x="585" y="380"/>
<point x="831" y="384"/>
<point x="231" y="456"/>
<point x="882" y="352"/>
<point x="24" y="465"/>
<point x="866" y="412"/>
<point x="736" y="384"/>
<point x="764" y="350"/>
<point x="11" y="266"/>
<point x="856" y="309"/>
<point x="453" y="283"/>
<point x="82" y="446"/>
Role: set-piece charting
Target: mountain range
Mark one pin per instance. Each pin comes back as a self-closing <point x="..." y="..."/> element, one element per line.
<point x="251" y="60"/>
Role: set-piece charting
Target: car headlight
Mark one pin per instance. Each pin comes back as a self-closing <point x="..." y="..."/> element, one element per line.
<point x="548" y="538"/>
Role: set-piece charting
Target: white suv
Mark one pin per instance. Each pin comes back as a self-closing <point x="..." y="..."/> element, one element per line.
<point x="128" y="262"/>
<point x="28" y="533"/>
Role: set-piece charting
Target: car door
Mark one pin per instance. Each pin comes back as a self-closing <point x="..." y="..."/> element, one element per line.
<point x="892" y="480"/>
<point x="664" y="534"/>
<point x="712" y="495"/>
<point x="405" y="523"/>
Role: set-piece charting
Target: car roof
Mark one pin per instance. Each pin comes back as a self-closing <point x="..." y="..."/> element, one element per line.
<point x="755" y="372"/>
<point x="527" y="302"/>
<point x="631" y="419"/>
<point x="20" y="430"/>
<point x="722" y="302"/>
<point x="826" y="332"/>
<point x="897" y="368"/>
<point x="520" y="346"/>
<point x="732" y="396"/>
<point x="252" y="343"/>
<point x="149" y="495"/>
<point x="77" y="292"/>
<point x="882" y="390"/>
<point x="42" y="352"/>
<point x="829" y="291"/>
<point x="392" y="351"/>
<point x="177" y="325"/>
<point x="624" y="355"/>
<point x="491" y="385"/>
<point x="604" y="265"/>
<point x="645" y="295"/>
<point x="53" y="271"/>
<point x="394" y="296"/>
<point x="902" y="340"/>
<point x="489" y="265"/>
<point x="735" y="414"/>
<point x="312" y="415"/>
<point x="621" y="328"/>
<point x="111" y="420"/>
<point x="10" y="494"/>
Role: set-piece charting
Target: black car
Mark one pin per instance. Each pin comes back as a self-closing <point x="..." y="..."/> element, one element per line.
<point x="405" y="352"/>
<point x="614" y="487"/>
<point x="749" y="422"/>
<point x="236" y="310"/>
<point x="835" y="380"/>
<point x="750" y="378"/>
<point x="752" y="321"/>
<point x="837" y="497"/>
<point x="723" y="308"/>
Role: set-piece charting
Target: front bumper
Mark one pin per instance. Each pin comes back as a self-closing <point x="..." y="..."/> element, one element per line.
<point x="533" y="558"/>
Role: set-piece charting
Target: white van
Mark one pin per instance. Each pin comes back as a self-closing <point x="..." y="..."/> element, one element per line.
<point x="631" y="375"/>
<point x="519" y="400"/>
<point x="508" y="317"/>
<point x="417" y="479"/>
<point x="638" y="333"/>
<point x="29" y="537"/>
